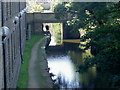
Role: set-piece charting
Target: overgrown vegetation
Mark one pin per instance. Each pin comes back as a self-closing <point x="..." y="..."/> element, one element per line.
<point x="57" y="32"/>
<point x="34" y="7"/>
<point x="101" y="22"/>
<point x="23" y="77"/>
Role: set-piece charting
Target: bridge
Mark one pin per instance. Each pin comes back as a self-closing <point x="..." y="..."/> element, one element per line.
<point x="45" y="17"/>
<point x="35" y="20"/>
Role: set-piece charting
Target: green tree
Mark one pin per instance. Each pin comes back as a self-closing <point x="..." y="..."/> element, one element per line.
<point x="105" y="42"/>
<point x="34" y="7"/>
<point x="101" y="21"/>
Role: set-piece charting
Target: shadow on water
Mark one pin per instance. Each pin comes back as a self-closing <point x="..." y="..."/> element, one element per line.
<point x="63" y="61"/>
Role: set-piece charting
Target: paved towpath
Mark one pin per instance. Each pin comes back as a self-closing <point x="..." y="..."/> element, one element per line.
<point x="34" y="71"/>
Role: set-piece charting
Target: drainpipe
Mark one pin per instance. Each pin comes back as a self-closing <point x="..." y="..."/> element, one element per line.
<point x="17" y="20"/>
<point x="20" y="34"/>
<point x="5" y="82"/>
<point x="3" y="45"/>
<point x="2" y="14"/>
<point x="20" y="41"/>
<point x="5" y="31"/>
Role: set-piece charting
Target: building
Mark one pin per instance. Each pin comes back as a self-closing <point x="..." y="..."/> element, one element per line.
<point x="12" y="40"/>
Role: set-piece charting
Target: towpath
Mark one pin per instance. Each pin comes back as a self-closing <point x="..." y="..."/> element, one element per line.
<point x="38" y="75"/>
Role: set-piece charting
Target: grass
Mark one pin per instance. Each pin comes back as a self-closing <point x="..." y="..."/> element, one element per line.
<point x="23" y="77"/>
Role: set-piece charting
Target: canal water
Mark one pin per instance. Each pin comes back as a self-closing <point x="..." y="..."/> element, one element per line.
<point x="63" y="62"/>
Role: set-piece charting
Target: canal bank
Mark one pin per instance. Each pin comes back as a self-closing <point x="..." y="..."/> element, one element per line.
<point x="39" y="76"/>
<point x="27" y="71"/>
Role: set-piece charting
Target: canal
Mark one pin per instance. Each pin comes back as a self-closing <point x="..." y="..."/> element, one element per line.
<point x="63" y="61"/>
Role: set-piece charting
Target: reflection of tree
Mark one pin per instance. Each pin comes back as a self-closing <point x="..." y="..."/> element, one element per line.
<point x="59" y="79"/>
<point x="56" y="29"/>
<point x="87" y="78"/>
<point x="62" y="81"/>
<point x="75" y="56"/>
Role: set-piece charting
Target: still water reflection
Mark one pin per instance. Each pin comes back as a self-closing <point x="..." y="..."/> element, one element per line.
<point x="63" y="64"/>
<point x="63" y="68"/>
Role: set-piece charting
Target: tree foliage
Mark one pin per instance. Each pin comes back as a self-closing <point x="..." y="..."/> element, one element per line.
<point x="34" y="7"/>
<point x="101" y="21"/>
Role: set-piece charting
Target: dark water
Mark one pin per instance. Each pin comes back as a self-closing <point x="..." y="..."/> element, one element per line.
<point x="63" y="61"/>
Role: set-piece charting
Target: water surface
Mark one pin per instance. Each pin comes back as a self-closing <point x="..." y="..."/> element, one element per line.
<point x="63" y="64"/>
